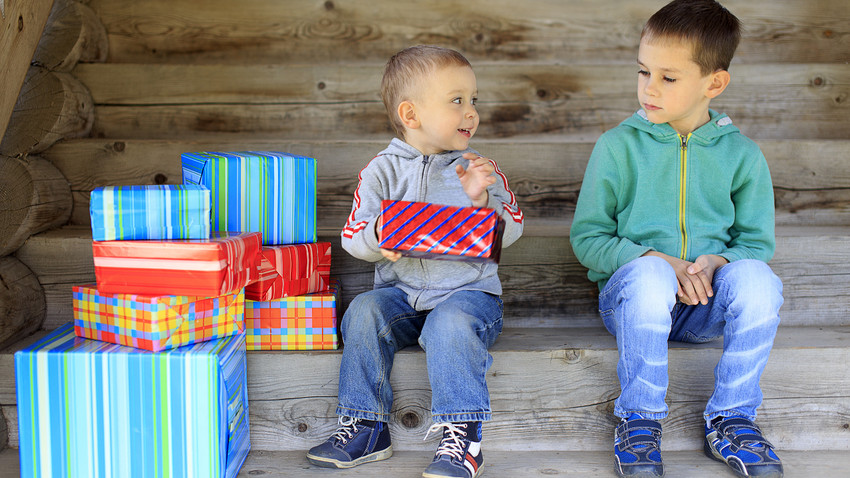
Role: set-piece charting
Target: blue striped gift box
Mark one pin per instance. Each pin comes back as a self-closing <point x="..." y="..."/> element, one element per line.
<point x="93" y="409"/>
<point x="150" y="212"/>
<point x="258" y="191"/>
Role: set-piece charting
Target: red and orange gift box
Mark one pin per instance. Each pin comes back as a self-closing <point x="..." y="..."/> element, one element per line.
<point x="292" y="270"/>
<point x="224" y="263"/>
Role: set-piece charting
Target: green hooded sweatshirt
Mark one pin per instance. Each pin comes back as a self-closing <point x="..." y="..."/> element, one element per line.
<point x="648" y="188"/>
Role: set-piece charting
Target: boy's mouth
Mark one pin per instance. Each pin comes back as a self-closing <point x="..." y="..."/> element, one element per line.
<point x="465" y="132"/>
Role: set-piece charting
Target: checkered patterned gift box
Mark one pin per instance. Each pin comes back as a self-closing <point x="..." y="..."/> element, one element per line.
<point x="150" y="212"/>
<point x="434" y="231"/>
<point x="219" y="265"/>
<point x="306" y="322"/>
<point x="292" y="270"/>
<point x="259" y="191"/>
<point x="88" y="408"/>
<point x="155" y="322"/>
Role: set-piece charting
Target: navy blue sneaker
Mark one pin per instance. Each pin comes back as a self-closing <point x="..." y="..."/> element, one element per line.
<point x="459" y="454"/>
<point x="637" y="448"/>
<point x="355" y="442"/>
<point x="739" y="443"/>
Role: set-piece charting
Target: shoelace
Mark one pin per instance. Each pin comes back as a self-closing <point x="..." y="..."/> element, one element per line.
<point x="451" y="445"/>
<point x="347" y="429"/>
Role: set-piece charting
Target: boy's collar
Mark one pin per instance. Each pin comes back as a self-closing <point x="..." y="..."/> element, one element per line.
<point x="714" y="127"/>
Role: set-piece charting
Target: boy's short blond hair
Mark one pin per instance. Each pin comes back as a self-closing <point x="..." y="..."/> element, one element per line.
<point x="713" y="31"/>
<point x="405" y="68"/>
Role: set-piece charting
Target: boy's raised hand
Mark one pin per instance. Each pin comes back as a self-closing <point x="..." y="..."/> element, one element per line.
<point x="476" y="178"/>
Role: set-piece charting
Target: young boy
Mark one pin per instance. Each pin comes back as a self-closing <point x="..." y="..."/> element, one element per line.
<point x="451" y="309"/>
<point x="675" y="223"/>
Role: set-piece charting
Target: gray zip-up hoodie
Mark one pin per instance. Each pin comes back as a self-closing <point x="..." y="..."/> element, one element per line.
<point x="402" y="173"/>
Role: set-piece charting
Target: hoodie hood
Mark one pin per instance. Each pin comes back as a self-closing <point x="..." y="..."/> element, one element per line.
<point x="719" y="125"/>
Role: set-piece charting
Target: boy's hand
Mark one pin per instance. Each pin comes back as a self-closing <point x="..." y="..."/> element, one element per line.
<point x="694" y="277"/>
<point x="387" y="253"/>
<point x="476" y="178"/>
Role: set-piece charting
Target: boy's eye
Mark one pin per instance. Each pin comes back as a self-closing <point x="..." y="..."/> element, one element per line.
<point x="643" y="73"/>
<point x="669" y="80"/>
<point x="474" y="101"/>
<point x="457" y="101"/>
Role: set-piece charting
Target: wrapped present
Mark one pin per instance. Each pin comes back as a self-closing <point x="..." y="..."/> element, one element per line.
<point x="292" y="270"/>
<point x="306" y="322"/>
<point x="269" y="192"/>
<point x="434" y="231"/>
<point x="150" y="212"/>
<point x="153" y="322"/>
<point x="211" y="267"/>
<point x="95" y="409"/>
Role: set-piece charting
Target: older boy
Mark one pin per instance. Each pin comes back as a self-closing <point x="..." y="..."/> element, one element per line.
<point x="452" y="309"/>
<point x="675" y="223"/>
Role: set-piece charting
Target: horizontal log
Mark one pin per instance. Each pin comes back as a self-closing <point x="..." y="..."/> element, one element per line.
<point x="252" y="31"/>
<point x="34" y="197"/>
<point x="544" y="285"/>
<point x="21" y="26"/>
<point x="22" y="306"/>
<point x="73" y="33"/>
<point x="516" y="99"/>
<point x="811" y="181"/>
<point x="52" y="106"/>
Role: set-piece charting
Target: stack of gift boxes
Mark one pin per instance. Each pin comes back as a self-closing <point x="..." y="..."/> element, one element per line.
<point x="189" y="277"/>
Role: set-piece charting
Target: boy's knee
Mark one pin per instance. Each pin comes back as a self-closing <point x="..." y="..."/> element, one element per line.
<point x="648" y="276"/>
<point x="752" y="277"/>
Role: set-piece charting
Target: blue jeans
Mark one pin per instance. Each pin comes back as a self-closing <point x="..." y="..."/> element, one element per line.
<point x="455" y="336"/>
<point x="639" y="307"/>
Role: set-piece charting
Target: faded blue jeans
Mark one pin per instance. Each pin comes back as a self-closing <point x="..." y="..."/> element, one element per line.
<point x="639" y="307"/>
<point x="455" y="335"/>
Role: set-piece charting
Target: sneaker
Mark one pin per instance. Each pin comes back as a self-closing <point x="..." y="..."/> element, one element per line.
<point x="355" y="442"/>
<point x="637" y="448"/>
<point x="459" y="454"/>
<point x="738" y="442"/>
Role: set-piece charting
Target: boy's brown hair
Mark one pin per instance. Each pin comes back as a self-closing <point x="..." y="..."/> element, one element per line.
<point x="408" y="66"/>
<point x="713" y="31"/>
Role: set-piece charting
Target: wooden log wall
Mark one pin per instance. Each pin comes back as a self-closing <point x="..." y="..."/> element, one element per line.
<point x="50" y="105"/>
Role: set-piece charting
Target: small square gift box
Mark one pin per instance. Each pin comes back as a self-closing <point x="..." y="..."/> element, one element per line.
<point x="304" y="322"/>
<point x="150" y="212"/>
<point x="434" y="231"/>
<point x="88" y="408"/>
<point x="292" y="270"/>
<point x="258" y="191"/>
<point x="155" y="323"/>
<point x="211" y="267"/>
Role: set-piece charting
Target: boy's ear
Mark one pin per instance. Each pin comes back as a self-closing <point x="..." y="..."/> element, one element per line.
<point x="407" y="114"/>
<point x="719" y="81"/>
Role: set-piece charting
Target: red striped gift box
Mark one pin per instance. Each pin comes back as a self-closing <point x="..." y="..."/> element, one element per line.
<point x="435" y="231"/>
<point x="210" y="267"/>
<point x="292" y="270"/>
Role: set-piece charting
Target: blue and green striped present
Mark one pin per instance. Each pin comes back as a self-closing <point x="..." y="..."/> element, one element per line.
<point x="93" y="409"/>
<point x="258" y="191"/>
<point x="150" y="212"/>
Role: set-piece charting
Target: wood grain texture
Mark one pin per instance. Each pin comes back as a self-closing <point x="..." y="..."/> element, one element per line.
<point x="267" y="31"/>
<point x="73" y="33"/>
<point x="34" y="197"/>
<point x="21" y="301"/>
<point x="21" y="27"/>
<point x="771" y="101"/>
<point x="811" y="181"/>
<point x="557" y="385"/>
<point x="544" y="285"/>
<point x="52" y="106"/>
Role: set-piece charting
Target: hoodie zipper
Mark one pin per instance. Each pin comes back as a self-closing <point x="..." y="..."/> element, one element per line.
<point x="683" y="190"/>
<point x="423" y="183"/>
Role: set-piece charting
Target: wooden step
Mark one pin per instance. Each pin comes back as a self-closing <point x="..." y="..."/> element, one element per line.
<point x="410" y="464"/>
<point x="555" y="385"/>
<point x="544" y="284"/>
<point x="516" y="99"/>
<point x="811" y="181"/>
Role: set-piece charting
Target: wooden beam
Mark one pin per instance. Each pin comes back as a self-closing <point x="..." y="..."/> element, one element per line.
<point x="268" y="31"/>
<point x="73" y="33"/>
<point x="20" y="28"/>
<point x="22" y="305"/>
